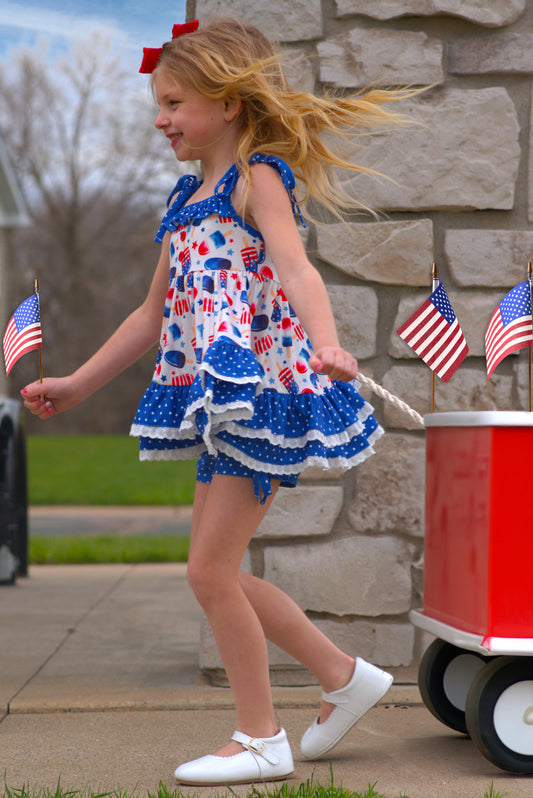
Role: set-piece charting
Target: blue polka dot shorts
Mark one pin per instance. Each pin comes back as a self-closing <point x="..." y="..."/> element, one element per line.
<point x="210" y="464"/>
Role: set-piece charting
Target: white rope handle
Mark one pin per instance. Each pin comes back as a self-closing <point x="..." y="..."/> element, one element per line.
<point x="390" y="397"/>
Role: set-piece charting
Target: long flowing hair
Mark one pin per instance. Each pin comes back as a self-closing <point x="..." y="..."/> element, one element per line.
<point x="225" y="58"/>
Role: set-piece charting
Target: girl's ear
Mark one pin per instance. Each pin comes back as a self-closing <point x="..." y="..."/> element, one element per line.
<point x="232" y="107"/>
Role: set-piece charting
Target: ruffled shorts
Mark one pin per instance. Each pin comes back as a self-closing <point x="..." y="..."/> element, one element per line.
<point x="209" y="464"/>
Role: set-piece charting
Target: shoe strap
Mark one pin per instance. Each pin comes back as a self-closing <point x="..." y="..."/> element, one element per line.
<point x="256" y="745"/>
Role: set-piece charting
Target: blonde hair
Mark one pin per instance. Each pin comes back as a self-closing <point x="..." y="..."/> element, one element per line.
<point x="225" y="58"/>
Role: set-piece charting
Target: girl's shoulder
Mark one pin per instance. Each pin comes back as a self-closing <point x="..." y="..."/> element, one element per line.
<point x="262" y="175"/>
<point x="282" y="168"/>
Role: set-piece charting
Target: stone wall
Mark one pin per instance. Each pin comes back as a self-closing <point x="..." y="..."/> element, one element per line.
<point x="350" y="549"/>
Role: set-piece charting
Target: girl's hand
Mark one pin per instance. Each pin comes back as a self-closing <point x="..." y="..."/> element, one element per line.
<point x="335" y="362"/>
<point x="57" y="395"/>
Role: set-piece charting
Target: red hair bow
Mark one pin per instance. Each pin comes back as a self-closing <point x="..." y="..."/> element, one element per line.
<point x="151" y="54"/>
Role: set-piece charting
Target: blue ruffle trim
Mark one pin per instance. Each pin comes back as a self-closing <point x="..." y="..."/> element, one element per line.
<point x="265" y="430"/>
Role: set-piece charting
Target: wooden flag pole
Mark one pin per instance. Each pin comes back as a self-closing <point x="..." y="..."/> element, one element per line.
<point x="529" y="348"/>
<point x="40" y="349"/>
<point x="435" y="282"/>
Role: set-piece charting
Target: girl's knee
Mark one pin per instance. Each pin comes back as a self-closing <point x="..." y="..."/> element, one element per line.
<point x="197" y="577"/>
<point x="206" y="581"/>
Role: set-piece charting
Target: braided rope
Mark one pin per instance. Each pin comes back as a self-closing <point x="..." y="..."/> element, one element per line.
<point x="390" y="397"/>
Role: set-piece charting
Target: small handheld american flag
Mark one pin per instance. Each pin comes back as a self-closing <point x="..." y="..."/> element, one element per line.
<point x="23" y="333"/>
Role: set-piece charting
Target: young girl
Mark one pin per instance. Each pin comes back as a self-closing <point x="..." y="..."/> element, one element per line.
<point x="250" y="377"/>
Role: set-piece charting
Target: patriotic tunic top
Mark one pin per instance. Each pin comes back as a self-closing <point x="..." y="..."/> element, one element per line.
<point x="232" y="371"/>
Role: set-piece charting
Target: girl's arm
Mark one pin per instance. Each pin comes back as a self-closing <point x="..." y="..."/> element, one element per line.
<point x="269" y="206"/>
<point x="137" y="333"/>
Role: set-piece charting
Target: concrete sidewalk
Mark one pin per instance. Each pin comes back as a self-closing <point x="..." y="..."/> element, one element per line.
<point x="150" y="520"/>
<point x="100" y="686"/>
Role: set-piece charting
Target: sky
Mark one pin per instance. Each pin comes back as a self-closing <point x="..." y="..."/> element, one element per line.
<point x="55" y="24"/>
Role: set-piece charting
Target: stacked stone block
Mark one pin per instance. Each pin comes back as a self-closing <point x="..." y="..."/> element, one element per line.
<point x="349" y="549"/>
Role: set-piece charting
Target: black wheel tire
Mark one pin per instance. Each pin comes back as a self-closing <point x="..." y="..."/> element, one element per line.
<point x="444" y="678"/>
<point x="499" y="713"/>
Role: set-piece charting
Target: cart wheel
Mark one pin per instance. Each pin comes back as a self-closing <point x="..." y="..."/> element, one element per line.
<point x="499" y="713"/>
<point x="444" y="678"/>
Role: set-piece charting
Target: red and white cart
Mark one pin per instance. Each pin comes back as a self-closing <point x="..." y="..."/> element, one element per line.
<point x="477" y="677"/>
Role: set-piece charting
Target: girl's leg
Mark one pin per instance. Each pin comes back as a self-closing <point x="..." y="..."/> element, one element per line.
<point x="288" y="627"/>
<point x="226" y="514"/>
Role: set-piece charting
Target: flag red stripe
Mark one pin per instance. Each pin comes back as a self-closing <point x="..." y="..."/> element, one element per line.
<point x="29" y="339"/>
<point x="440" y="341"/>
<point x="522" y="332"/>
<point x="448" y="344"/>
<point x="19" y="353"/>
<point x="432" y="333"/>
<point x="502" y="333"/>
<point x="34" y="330"/>
<point x="513" y="344"/>
<point x="414" y="327"/>
<point x="10" y="332"/>
<point x="451" y="366"/>
<point x="436" y="335"/>
<point x="501" y="341"/>
<point x="420" y="338"/>
<point x="450" y="355"/>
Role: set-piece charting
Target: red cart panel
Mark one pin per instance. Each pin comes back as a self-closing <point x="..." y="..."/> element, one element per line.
<point x="479" y="524"/>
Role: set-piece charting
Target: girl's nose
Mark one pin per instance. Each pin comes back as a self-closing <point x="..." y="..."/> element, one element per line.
<point x="161" y="121"/>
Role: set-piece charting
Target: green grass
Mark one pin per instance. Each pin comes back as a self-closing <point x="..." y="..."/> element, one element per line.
<point x="306" y="789"/>
<point x="99" y="549"/>
<point x="103" y="470"/>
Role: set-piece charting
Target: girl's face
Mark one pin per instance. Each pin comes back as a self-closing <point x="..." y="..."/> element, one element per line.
<point x="195" y="125"/>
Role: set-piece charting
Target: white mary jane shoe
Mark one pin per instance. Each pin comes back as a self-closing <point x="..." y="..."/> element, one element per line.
<point x="367" y="685"/>
<point x="265" y="759"/>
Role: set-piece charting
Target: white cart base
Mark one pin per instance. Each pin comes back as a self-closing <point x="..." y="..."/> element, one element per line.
<point x="495" y="646"/>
